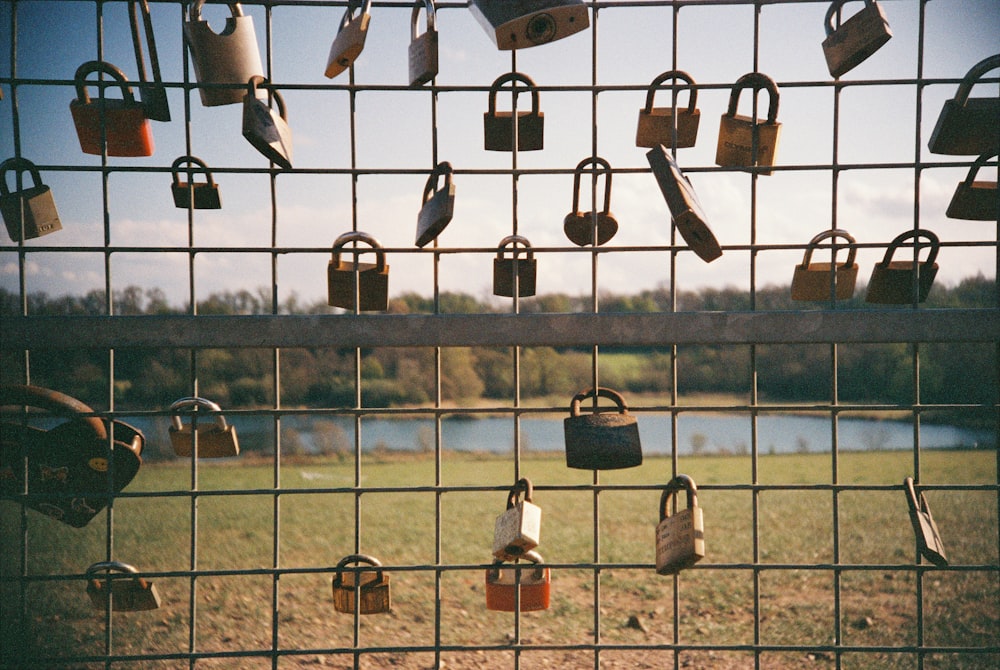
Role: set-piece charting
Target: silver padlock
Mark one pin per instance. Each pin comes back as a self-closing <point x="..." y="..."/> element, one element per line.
<point x="216" y="439"/>
<point x="928" y="538"/>
<point x="223" y="62"/>
<point x="32" y="209"/>
<point x="518" y="529"/>
<point x="680" y="537"/>
<point x="423" y="49"/>
<point x="438" y="205"/>
<point x="350" y="39"/>
<point x="266" y="128"/>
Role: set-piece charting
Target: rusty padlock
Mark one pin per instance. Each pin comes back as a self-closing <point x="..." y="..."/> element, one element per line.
<point x="423" y="50"/>
<point x="266" y="129"/>
<point x="968" y="126"/>
<point x="223" y="62"/>
<point x="350" y="39"/>
<point x="582" y="228"/>
<point x="438" y="206"/>
<point x="857" y="38"/>
<point x="127" y="591"/>
<point x="216" y="438"/>
<point x="518" y="529"/>
<point x="656" y="124"/>
<point x="892" y="282"/>
<point x="680" y="537"/>
<point x="821" y="281"/>
<point x="507" y="270"/>
<point x="529" y="587"/>
<point x="928" y="538"/>
<point x="199" y="195"/>
<point x="366" y="591"/>
<point x="601" y="440"/>
<point x="743" y="140"/>
<point x="974" y="200"/>
<point x="30" y="210"/>
<point x="685" y="209"/>
<point x="499" y="127"/>
<point x="120" y="125"/>
<point x="371" y="279"/>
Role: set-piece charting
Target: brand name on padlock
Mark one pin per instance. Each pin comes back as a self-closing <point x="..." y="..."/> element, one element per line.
<point x="744" y="148"/>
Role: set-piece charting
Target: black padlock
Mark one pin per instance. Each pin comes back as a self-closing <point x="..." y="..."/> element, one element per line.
<point x="438" y="206"/>
<point x="584" y="228"/>
<point x="892" y="281"/>
<point x="685" y="209"/>
<point x="498" y="127"/>
<point x="127" y="591"/>
<point x="975" y="200"/>
<point x="506" y="270"/>
<point x="601" y="440"/>
<point x="206" y="194"/>
<point x="968" y="126"/>
<point x="32" y="209"/>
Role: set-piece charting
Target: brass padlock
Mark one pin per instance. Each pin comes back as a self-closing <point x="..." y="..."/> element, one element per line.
<point x="892" y="282"/>
<point x="518" y="529"/>
<point x="438" y="206"/>
<point x="127" y="591"/>
<point x="743" y="140"/>
<point x="119" y="125"/>
<point x="204" y="195"/>
<point x="223" y="62"/>
<point x="499" y="128"/>
<point x="519" y="24"/>
<point x="974" y="200"/>
<point x="821" y="281"/>
<point x="368" y="588"/>
<point x="856" y="39"/>
<point x="590" y="227"/>
<point x="265" y="128"/>
<point x="656" y="124"/>
<point x="507" y="270"/>
<point x="680" y="537"/>
<point x="370" y="279"/>
<point x="216" y="439"/>
<point x="30" y="210"/>
<point x="968" y="126"/>
<point x="423" y="50"/>
<point x="685" y="209"/>
<point x="527" y="586"/>
<point x="928" y="538"/>
<point x="601" y="440"/>
<point x="350" y="39"/>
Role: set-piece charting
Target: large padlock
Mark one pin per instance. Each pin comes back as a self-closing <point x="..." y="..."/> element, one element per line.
<point x="73" y="468"/>
<point x="519" y="24"/>
<point x="518" y="529"/>
<point x="199" y="195"/>
<point x="656" y="124"/>
<point x="216" y="438"/>
<point x="508" y="270"/>
<point x="519" y="587"/>
<point x="266" y="128"/>
<point x="857" y="38"/>
<point x="364" y="591"/>
<point x="499" y="127"/>
<point x="892" y="282"/>
<point x="975" y="200"/>
<point x="370" y="280"/>
<point x="152" y="93"/>
<point x="685" y="209"/>
<point x="32" y="210"/>
<point x="601" y="440"/>
<point x="119" y="125"/>
<point x="928" y="538"/>
<point x="438" y="206"/>
<point x="583" y="228"/>
<point x="121" y="584"/>
<point x="680" y="536"/>
<point x="223" y="62"/>
<point x="821" y="281"/>
<point x="423" y="50"/>
<point x="743" y="140"/>
<point x="350" y="39"/>
<point x="968" y="126"/>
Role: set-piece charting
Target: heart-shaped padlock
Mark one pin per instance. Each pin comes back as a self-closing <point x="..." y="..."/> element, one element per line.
<point x="582" y="228"/>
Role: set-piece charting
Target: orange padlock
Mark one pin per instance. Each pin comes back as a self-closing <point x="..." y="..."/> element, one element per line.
<point x="119" y="124"/>
<point x="534" y="581"/>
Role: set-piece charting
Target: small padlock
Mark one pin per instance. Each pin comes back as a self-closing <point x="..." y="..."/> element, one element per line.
<point x="685" y="209"/>
<point x="518" y="529"/>
<point x="127" y="591"/>
<point x="928" y="538"/>
<point x="370" y="586"/>
<point x="438" y="204"/>
<point x="372" y="278"/>
<point x="266" y="128"/>
<point x="601" y="440"/>
<point x="656" y="124"/>
<point x="582" y="228"/>
<point x="423" y="49"/>
<point x="120" y="123"/>
<point x="892" y="281"/>
<point x="812" y="281"/>
<point x="680" y="537"/>
<point x="31" y="210"/>
<point x="498" y="127"/>
<point x="223" y="62"/>
<point x="206" y="194"/>
<point x="856" y="39"/>
<point x="508" y="587"/>
<point x="743" y="140"/>
<point x="506" y="270"/>
<point x="350" y="39"/>
<point x="968" y="126"/>
<point x="975" y="200"/>
<point x="215" y="440"/>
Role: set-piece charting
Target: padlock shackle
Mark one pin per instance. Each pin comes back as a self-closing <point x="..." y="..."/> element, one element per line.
<point x="600" y="165"/>
<point x="512" y="77"/>
<point x="104" y="67"/>
<point x="523" y="485"/>
<point x="349" y="12"/>
<point x="756" y="81"/>
<point x="443" y="168"/>
<point x="931" y="238"/>
<point x="358" y="236"/>
<point x="175" y="168"/>
<point x="415" y="16"/>
<point x="198" y="404"/>
<point x="832" y="12"/>
<point x="513" y="241"/>
<point x="971" y="177"/>
<point x="18" y="165"/>
<point x="674" y="75"/>
<point x="259" y="80"/>
<point x="678" y="483"/>
<point x="973" y="76"/>
<point x="829" y="234"/>
<point x="112" y="566"/>
<point x="58" y="403"/>
<point x="533" y="556"/>
<point x="601" y="392"/>
<point x="194" y="10"/>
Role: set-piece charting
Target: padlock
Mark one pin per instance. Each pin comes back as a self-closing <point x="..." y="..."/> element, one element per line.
<point x="371" y="279"/>
<point x="223" y="62"/>
<point x="974" y="200"/>
<point x="581" y="228"/>
<point x="928" y="538"/>
<point x="127" y="591"/>
<point x="370" y="586"/>
<point x="121" y="123"/>
<point x="498" y="127"/>
<point x="685" y="209"/>
<point x="423" y="49"/>
<point x="506" y="270"/>
<point x="892" y="281"/>
<point x="31" y="210"/>
<point x="152" y="93"/>
<point x="856" y="39"/>
<point x="510" y="587"/>
<point x="206" y="194"/>
<point x="680" y="537"/>
<point x="601" y="440"/>
<point x="812" y="281"/>
<point x="656" y="124"/>
<point x="743" y="140"/>
<point x="216" y="438"/>
<point x="968" y="126"/>
<point x="350" y="39"/>
<point x="438" y="204"/>
<point x="266" y="128"/>
<point x="518" y="529"/>
<point x="519" y="24"/>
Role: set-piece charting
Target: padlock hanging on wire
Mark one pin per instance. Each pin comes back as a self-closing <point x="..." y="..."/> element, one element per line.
<point x="31" y="209"/>
<point x="518" y="529"/>
<point x="680" y="536"/>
